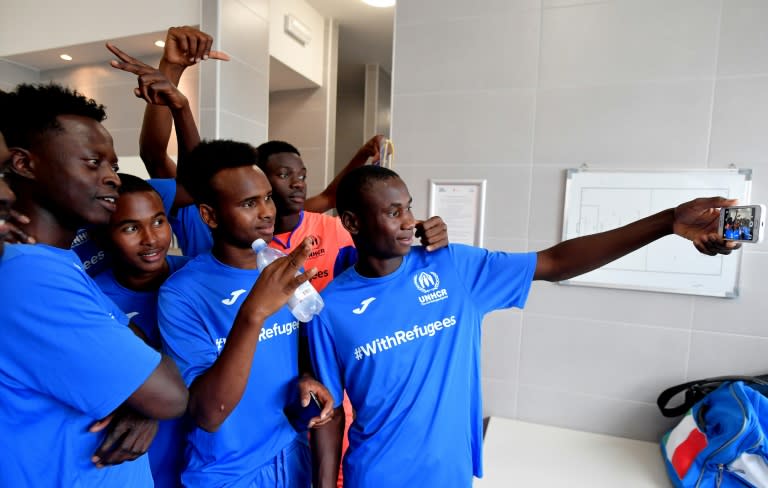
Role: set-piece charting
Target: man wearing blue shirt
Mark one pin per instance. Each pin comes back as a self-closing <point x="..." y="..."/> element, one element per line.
<point x="401" y="329"/>
<point x="78" y="362"/>
<point x="138" y="237"/>
<point x="235" y="344"/>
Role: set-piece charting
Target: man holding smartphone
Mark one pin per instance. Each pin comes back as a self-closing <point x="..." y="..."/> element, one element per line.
<point x="401" y="329"/>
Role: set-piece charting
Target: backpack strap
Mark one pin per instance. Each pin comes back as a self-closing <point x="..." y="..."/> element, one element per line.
<point x="698" y="389"/>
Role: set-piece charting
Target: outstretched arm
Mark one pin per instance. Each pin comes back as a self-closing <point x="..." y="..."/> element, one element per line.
<point x="326" y="200"/>
<point x="696" y="221"/>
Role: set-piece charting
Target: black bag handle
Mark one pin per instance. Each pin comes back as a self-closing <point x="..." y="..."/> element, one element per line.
<point x="698" y="389"/>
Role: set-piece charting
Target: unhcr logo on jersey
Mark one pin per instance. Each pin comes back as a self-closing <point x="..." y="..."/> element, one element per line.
<point x="427" y="282"/>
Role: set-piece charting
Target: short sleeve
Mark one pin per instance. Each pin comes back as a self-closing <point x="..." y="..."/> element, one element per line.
<point x="184" y="335"/>
<point x="324" y="360"/>
<point x="69" y="340"/>
<point x="494" y="279"/>
<point x="166" y="187"/>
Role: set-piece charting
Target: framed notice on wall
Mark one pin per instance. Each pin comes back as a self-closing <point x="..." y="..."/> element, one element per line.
<point x="461" y="204"/>
<point x="597" y="201"/>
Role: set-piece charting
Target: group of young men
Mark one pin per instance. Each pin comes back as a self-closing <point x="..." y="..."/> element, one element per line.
<point x="204" y="343"/>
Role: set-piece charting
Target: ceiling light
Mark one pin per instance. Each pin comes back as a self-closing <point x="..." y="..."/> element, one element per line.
<point x="160" y="43"/>
<point x="380" y="3"/>
<point x="66" y="57"/>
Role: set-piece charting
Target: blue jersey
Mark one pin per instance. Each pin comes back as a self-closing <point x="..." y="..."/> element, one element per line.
<point x="197" y="307"/>
<point x="69" y="360"/>
<point x="192" y="235"/>
<point x="96" y="259"/>
<point x="406" y="347"/>
<point x="140" y="306"/>
<point x="166" y="454"/>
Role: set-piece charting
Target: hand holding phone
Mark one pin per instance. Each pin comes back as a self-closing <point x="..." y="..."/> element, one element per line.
<point x="743" y="223"/>
<point x="299" y="415"/>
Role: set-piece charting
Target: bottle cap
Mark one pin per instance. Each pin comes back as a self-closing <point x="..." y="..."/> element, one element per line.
<point x="258" y="245"/>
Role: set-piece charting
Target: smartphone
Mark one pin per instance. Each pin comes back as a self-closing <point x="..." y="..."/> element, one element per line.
<point x="742" y="223"/>
<point x="299" y="416"/>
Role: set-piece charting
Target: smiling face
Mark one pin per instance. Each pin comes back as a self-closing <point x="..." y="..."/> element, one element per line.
<point x="6" y="195"/>
<point x="385" y="224"/>
<point x="75" y="171"/>
<point x="139" y="232"/>
<point x="287" y="175"/>
<point x="243" y="210"/>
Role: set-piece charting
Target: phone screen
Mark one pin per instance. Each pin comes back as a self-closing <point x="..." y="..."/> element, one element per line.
<point x="739" y="223"/>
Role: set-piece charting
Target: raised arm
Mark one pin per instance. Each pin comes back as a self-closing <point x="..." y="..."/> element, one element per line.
<point x="696" y="221"/>
<point x="326" y="200"/>
<point x="157" y="90"/>
<point x="216" y="392"/>
<point x="184" y="47"/>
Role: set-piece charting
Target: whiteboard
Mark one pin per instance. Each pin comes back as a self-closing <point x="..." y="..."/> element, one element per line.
<point x="597" y="201"/>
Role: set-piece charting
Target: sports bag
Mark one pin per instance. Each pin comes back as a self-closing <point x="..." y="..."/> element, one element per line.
<point x="721" y="441"/>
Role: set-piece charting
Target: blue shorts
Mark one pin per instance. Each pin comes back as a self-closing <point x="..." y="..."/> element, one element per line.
<point x="291" y="468"/>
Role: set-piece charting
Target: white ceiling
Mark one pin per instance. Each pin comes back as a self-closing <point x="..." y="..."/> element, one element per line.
<point x="140" y="46"/>
<point x="365" y="37"/>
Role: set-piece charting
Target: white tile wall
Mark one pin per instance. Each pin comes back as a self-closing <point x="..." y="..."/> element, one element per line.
<point x="299" y="117"/>
<point x="246" y="27"/>
<point x="452" y="51"/>
<point x="604" y="358"/>
<point x="592" y="413"/>
<point x="426" y="11"/>
<point x="625" y="125"/>
<point x="743" y="38"/>
<point x="234" y="94"/>
<point x="242" y="91"/>
<point x="501" y="345"/>
<point x="713" y="353"/>
<point x="629" y="42"/>
<point x="516" y="92"/>
<point x="740" y="121"/>
<point x="496" y="127"/>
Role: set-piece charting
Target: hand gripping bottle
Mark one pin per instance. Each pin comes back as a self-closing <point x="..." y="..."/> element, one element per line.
<point x="306" y="301"/>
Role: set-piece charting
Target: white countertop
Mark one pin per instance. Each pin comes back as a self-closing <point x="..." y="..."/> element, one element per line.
<point x="521" y="454"/>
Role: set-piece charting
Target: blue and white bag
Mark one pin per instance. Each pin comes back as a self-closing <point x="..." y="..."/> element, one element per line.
<point x="721" y="441"/>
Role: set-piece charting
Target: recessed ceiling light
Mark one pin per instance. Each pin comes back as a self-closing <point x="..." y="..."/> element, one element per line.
<point x="380" y="3"/>
<point x="66" y="57"/>
<point x="160" y="43"/>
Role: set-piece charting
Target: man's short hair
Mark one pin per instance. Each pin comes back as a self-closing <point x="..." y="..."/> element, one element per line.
<point x="356" y="182"/>
<point x="133" y="184"/>
<point x="209" y="158"/>
<point x="273" y="147"/>
<point x="31" y="110"/>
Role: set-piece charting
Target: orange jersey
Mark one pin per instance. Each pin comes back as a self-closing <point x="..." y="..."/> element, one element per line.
<point x="331" y="245"/>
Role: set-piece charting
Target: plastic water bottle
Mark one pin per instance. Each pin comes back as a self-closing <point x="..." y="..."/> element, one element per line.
<point x="306" y="301"/>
